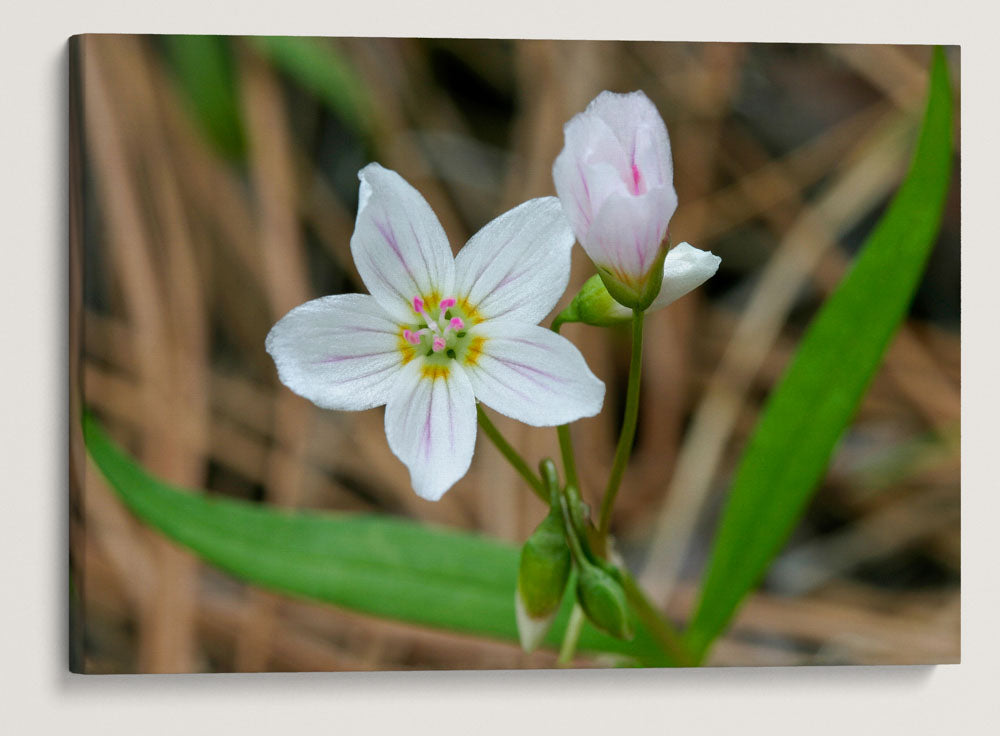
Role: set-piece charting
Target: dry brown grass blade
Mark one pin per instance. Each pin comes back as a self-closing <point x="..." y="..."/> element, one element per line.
<point x="121" y="539"/>
<point x="779" y="181"/>
<point x="329" y="218"/>
<point x="898" y="526"/>
<point x="396" y="100"/>
<point x="846" y="624"/>
<point x="220" y="614"/>
<point x="286" y="284"/>
<point x="890" y="69"/>
<point x="167" y="643"/>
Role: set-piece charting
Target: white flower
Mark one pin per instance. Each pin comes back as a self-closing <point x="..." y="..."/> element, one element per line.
<point x="614" y="178"/>
<point x="438" y="332"/>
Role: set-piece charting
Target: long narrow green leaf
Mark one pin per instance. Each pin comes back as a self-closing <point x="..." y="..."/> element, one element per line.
<point x="820" y="392"/>
<point x="374" y="564"/>
<point x="315" y="65"/>
<point x="203" y="68"/>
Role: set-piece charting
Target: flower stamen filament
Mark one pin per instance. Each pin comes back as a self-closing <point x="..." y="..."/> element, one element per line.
<point x="445" y="334"/>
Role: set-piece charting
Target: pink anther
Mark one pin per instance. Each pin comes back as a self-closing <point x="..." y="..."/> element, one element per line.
<point x="456" y="323"/>
<point x="439" y="344"/>
<point x="418" y="305"/>
<point x="411" y="337"/>
<point x="448" y="303"/>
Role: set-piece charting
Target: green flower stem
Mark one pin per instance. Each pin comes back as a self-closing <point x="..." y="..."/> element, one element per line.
<point x="661" y="629"/>
<point x="565" y="438"/>
<point x="627" y="435"/>
<point x="566" y="450"/>
<point x="571" y="637"/>
<point x="512" y="455"/>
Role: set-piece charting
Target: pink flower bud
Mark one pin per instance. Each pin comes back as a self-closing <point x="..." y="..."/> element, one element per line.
<point x="614" y="178"/>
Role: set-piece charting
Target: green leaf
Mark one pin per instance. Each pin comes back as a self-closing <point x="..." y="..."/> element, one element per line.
<point x="315" y="64"/>
<point x="806" y="414"/>
<point x="203" y="67"/>
<point x="377" y="565"/>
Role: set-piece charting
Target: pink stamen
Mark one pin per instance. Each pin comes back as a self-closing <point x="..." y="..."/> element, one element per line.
<point x="439" y="328"/>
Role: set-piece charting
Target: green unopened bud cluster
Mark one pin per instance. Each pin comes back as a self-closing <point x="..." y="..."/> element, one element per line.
<point x="562" y="542"/>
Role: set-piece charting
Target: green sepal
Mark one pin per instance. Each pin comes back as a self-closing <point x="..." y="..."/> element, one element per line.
<point x="593" y="305"/>
<point x="641" y="298"/>
<point x="604" y="301"/>
<point x="545" y="567"/>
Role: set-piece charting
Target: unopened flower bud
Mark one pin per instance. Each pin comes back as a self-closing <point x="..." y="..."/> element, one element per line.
<point x="614" y="178"/>
<point x="541" y="581"/>
<point x="602" y="598"/>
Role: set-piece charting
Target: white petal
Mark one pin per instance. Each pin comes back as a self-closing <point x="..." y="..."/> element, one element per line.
<point x="517" y="266"/>
<point x="533" y="375"/>
<point x="628" y="230"/>
<point x="340" y="352"/>
<point x="637" y="124"/>
<point x="430" y="423"/>
<point x="398" y="244"/>
<point x="591" y="165"/>
<point x="684" y="269"/>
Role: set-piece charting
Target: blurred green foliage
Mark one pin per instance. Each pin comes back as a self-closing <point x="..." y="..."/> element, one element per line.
<point x="315" y="65"/>
<point x="203" y="68"/>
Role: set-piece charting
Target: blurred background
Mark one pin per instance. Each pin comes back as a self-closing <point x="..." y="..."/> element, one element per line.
<point x="213" y="186"/>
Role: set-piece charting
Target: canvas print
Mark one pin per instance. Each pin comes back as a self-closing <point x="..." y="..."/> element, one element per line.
<point x="411" y="354"/>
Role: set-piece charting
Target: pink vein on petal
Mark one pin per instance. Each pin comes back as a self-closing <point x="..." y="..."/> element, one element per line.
<point x="340" y="358"/>
<point x="390" y="237"/>
<point x="426" y="438"/>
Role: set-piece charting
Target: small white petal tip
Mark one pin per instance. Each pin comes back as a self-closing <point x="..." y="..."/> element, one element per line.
<point x="530" y="630"/>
